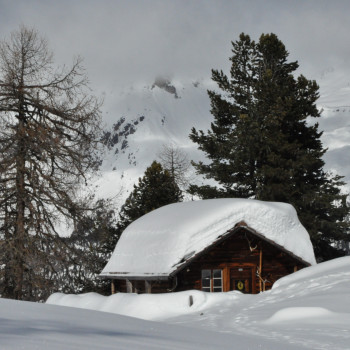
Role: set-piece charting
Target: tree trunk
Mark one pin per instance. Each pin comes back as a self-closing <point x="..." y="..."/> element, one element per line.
<point x="20" y="234"/>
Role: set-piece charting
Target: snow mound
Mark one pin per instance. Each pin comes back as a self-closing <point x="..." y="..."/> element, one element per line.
<point x="144" y="306"/>
<point x="297" y="314"/>
<point x="161" y="241"/>
<point x="308" y="309"/>
<point x="322" y="270"/>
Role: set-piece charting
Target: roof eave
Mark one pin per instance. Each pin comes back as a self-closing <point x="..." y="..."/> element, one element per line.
<point x="127" y="276"/>
<point x="180" y="267"/>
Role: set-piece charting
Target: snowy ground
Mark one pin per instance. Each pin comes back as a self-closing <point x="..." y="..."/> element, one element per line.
<point x="306" y="310"/>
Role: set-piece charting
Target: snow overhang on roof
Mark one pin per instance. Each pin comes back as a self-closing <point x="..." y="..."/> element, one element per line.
<point x="158" y="243"/>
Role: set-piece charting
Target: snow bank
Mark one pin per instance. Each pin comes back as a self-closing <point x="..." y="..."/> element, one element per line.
<point x="308" y="309"/>
<point x="144" y="306"/>
<point x="297" y="314"/>
<point x="159" y="242"/>
<point x="329" y="281"/>
<point x="34" y="326"/>
<point x="321" y="270"/>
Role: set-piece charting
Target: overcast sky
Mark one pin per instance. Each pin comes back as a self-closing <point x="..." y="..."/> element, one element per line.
<point x="134" y="40"/>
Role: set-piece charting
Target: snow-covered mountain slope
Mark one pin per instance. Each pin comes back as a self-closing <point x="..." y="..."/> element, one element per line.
<point x="141" y="119"/>
<point x="334" y="102"/>
<point x="308" y="309"/>
<point x="144" y="118"/>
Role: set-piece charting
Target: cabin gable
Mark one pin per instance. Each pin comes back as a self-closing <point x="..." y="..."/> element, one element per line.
<point x="242" y="258"/>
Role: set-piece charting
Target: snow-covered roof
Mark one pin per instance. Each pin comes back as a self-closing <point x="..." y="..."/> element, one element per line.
<point x="161" y="241"/>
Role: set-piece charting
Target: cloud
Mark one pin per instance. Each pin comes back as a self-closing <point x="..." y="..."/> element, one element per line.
<point x="127" y="41"/>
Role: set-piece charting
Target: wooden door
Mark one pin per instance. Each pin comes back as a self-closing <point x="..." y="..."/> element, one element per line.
<point x="242" y="278"/>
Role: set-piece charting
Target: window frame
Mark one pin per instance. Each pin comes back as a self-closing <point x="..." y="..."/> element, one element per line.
<point x="212" y="288"/>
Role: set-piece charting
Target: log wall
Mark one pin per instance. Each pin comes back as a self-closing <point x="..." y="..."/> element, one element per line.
<point x="241" y="250"/>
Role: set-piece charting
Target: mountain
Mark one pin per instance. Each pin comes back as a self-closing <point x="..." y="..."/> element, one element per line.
<point x="142" y="118"/>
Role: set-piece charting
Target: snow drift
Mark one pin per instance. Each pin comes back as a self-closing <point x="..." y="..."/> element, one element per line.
<point x="308" y="309"/>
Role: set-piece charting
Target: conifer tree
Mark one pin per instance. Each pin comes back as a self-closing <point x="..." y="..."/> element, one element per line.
<point x="88" y="253"/>
<point x="261" y="145"/>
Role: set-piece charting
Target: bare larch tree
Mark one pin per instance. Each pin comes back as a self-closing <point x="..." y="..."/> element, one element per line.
<point x="176" y="162"/>
<point x="49" y="124"/>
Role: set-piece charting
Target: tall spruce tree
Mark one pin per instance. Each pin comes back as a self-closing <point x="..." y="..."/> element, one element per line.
<point x="154" y="190"/>
<point x="262" y="146"/>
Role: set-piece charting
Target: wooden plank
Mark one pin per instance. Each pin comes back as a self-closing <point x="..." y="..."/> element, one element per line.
<point x="148" y="288"/>
<point x="260" y="270"/>
<point x="128" y="286"/>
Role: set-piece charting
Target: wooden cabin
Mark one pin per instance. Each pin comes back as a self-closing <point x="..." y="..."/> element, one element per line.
<point x="214" y="246"/>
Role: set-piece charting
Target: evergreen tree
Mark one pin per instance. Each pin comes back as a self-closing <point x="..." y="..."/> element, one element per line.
<point x="261" y="145"/>
<point x="154" y="190"/>
<point x="88" y="253"/>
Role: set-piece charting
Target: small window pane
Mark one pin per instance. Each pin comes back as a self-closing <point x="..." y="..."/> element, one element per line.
<point x="206" y="283"/>
<point x="217" y="283"/>
<point x="206" y="274"/>
<point x="206" y="280"/>
<point x="217" y="273"/>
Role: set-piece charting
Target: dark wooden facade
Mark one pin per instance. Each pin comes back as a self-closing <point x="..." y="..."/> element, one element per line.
<point x="242" y="260"/>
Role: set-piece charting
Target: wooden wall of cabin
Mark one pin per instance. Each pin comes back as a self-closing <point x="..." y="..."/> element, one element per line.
<point x="241" y="249"/>
<point x="139" y="286"/>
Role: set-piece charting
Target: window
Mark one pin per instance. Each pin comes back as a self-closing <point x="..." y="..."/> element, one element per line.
<point x="211" y="280"/>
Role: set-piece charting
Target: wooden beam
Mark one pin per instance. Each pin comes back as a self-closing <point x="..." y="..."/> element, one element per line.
<point x="112" y="287"/>
<point x="148" y="288"/>
<point x="226" y="278"/>
<point x="128" y="286"/>
<point x="260" y="269"/>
